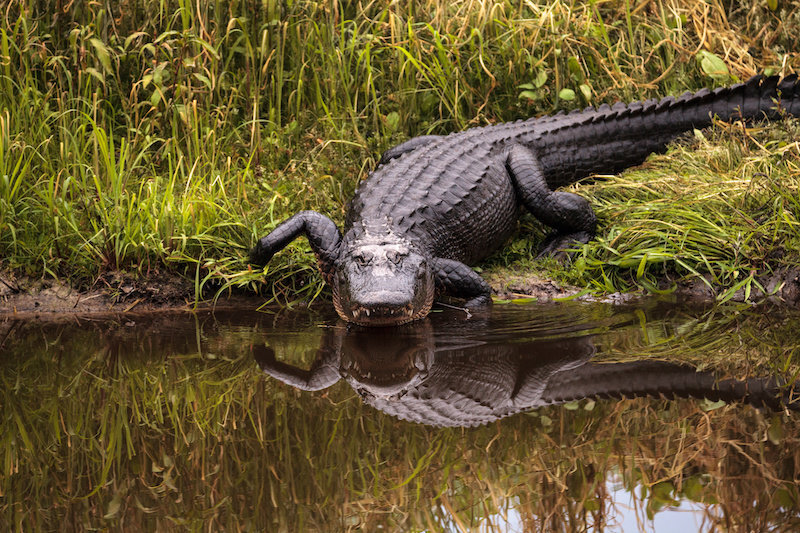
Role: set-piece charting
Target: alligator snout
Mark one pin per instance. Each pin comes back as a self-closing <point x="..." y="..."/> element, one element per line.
<point x="383" y="285"/>
<point x="372" y="307"/>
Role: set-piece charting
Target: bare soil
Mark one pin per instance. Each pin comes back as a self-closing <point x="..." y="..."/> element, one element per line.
<point x="782" y="287"/>
<point x="113" y="292"/>
<point x="119" y="292"/>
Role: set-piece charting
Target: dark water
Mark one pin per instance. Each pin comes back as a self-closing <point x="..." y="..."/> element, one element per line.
<point x="532" y="417"/>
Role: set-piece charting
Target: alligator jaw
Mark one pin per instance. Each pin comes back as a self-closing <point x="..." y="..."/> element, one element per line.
<point x="386" y="315"/>
<point x="383" y="315"/>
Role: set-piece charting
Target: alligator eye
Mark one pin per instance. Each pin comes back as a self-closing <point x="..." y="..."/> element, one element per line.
<point x="394" y="256"/>
<point x="360" y="260"/>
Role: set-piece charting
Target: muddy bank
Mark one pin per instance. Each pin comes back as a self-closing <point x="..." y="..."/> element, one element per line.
<point x="782" y="287"/>
<point x="118" y="292"/>
<point x="114" y="292"/>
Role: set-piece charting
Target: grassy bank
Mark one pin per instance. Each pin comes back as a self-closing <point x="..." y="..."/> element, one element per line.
<point x="169" y="135"/>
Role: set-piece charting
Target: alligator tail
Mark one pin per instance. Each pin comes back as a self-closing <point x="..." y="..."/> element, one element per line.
<point x="611" y="138"/>
<point x="655" y="378"/>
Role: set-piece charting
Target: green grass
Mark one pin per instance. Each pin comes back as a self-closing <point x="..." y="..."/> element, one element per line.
<point x="170" y="135"/>
<point x="722" y="208"/>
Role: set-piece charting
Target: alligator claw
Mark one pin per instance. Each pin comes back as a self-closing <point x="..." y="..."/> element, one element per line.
<point x="478" y="302"/>
<point x="563" y="247"/>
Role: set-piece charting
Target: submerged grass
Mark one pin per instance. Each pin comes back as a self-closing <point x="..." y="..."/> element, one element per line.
<point x="110" y="425"/>
<point x="170" y="135"/>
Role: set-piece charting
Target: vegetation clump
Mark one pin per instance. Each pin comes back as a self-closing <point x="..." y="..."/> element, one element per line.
<point x="167" y="135"/>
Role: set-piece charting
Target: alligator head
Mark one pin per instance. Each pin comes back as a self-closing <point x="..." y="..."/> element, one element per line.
<point x="382" y="280"/>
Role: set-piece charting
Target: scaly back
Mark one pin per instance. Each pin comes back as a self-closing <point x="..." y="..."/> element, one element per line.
<point x="611" y="138"/>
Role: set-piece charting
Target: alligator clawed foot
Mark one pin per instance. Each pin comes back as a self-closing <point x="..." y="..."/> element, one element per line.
<point x="471" y="306"/>
<point x="563" y="247"/>
<point x="479" y="302"/>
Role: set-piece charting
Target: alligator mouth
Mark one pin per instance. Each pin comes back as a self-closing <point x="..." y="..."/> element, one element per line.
<point x="380" y="297"/>
<point x="384" y="315"/>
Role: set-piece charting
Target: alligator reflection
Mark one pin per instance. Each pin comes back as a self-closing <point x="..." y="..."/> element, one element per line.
<point x="444" y="375"/>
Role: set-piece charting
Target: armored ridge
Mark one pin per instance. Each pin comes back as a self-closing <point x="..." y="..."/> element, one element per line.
<point x="658" y="378"/>
<point x="611" y="138"/>
<point x="438" y="204"/>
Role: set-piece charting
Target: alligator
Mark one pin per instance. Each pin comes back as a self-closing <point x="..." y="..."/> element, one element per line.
<point x="436" y="205"/>
<point x="467" y="383"/>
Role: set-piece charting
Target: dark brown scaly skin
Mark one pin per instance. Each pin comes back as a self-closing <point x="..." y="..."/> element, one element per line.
<point x="436" y="205"/>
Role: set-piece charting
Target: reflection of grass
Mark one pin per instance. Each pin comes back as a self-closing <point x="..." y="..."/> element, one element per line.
<point x="171" y="135"/>
<point x="139" y="431"/>
<point x="731" y="339"/>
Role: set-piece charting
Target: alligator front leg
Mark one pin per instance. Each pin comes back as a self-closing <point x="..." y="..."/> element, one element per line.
<point x="456" y="279"/>
<point x="322" y="234"/>
<point x="569" y="214"/>
<point x="324" y="371"/>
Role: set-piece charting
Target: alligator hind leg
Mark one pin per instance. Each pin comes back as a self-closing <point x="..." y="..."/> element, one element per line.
<point x="322" y="234"/>
<point x="456" y="279"/>
<point x="569" y="214"/>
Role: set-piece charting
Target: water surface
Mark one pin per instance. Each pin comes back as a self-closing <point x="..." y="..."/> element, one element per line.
<point x="512" y="420"/>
